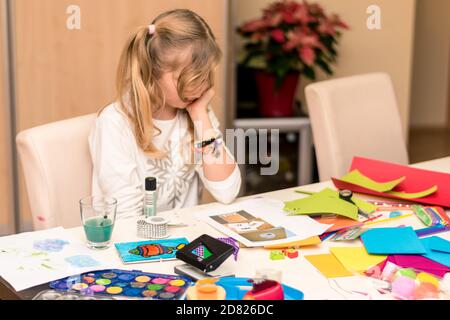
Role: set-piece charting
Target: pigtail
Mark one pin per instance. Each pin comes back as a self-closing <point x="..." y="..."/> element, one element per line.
<point x="137" y="90"/>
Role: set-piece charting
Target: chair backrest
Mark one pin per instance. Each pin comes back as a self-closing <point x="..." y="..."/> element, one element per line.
<point x="57" y="167"/>
<point x="355" y="116"/>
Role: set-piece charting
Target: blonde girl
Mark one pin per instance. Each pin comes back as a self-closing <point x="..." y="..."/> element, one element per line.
<point x="161" y="123"/>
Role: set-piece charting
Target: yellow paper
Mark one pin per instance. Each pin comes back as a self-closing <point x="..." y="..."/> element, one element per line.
<point x="388" y="219"/>
<point x="416" y="195"/>
<point x="356" y="259"/>
<point x="302" y="243"/>
<point x="356" y="177"/>
<point x="328" y="265"/>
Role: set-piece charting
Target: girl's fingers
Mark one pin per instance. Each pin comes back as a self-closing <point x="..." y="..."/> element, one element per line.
<point x="207" y="96"/>
<point x="203" y="101"/>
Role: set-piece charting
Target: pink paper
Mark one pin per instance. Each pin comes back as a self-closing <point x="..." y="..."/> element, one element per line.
<point x="417" y="262"/>
<point x="416" y="180"/>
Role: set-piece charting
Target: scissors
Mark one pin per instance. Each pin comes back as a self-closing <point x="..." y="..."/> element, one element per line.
<point x="347" y="195"/>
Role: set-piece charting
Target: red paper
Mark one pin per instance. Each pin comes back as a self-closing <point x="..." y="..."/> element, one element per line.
<point x="416" y="180"/>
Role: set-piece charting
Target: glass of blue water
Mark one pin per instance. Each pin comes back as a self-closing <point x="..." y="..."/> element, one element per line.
<point x="98" y="215"/>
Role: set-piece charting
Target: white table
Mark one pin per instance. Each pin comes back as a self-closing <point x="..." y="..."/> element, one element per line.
<point x="298" y="272"/>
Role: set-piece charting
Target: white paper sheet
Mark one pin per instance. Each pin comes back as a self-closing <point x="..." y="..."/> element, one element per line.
<point x="261" y="222"/>
<point x="33" y="258"/>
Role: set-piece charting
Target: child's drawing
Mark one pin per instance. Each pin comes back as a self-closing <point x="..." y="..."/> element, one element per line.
<point x="50" y="245"/>
<point x="82" y="261"/>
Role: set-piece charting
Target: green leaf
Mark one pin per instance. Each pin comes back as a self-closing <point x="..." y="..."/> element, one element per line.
<point x="324" y="66"/>
<point x="251" y="55"/>
<point x="309" y="72"/>
<point x="253" y="46"/>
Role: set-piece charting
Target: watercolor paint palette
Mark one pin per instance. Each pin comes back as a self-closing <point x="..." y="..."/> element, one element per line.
<point x="61" y="295"/>
<point x="125" y="284"/>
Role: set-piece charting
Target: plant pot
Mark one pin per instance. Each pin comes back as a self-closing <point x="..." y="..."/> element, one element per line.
<point x="275" y="102"/>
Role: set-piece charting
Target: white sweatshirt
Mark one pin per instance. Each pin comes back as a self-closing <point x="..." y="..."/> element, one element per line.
<point x="120" y="166"/>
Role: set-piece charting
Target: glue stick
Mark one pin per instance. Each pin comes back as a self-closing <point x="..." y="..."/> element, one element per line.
<point x="150" y="197"/>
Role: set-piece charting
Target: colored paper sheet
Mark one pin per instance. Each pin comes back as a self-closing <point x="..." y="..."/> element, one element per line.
<point x="431" y="230"/>
<point x="392" y="194"/>
<point x="417" y="262"/>
<point x="328" y="265"/>
<point x="356" y="258"/>
<point x="132" y="252"/>
<point x="438" y="256"/>
<point x="392" y="241"/>
<point x="319" y="204"/>
<point x="417" y="180"/>
<point x="355" y="177"/>
<point x="365" y="206"/>
<point x="326" y="201"/>
<point x="439" y="244"/>
<point x="338" y="223"/>
<point x="302" y="243"/>
<point x="415" y="195"/>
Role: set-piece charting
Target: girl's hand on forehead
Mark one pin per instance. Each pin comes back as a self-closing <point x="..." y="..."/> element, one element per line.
<point x="199" y="108"/>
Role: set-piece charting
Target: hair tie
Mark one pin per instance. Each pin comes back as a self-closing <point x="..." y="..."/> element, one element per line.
<point x="151" y="29"/>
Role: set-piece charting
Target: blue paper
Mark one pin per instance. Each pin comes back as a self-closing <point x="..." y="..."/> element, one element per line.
<point x="150" y="250"/>
<point x="439" y="244"/>
<point x="392" y="241"/>
<point x="438" y="256"/>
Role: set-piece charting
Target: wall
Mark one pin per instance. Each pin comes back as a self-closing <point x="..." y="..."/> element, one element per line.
<point x="64" y="73"/>
<point x="6" y="191"/>
<point x="429" y="105"/>
<point x="362" y="50"/>
<point x="448" y="91"/>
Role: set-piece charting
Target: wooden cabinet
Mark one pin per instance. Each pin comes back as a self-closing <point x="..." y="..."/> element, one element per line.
<point x="6" y="180"/>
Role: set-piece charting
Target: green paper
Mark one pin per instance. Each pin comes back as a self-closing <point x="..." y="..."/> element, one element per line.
<point x="363" y="205"/>
<point x="327" y="201"/>
<point x="357" y="178"/>
<point x="305" y="192"/>
<point x="416" y="195"/>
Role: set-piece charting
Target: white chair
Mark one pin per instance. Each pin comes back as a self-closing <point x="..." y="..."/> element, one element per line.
<point x="355" y="116"/>
<point x="57" y="166"/>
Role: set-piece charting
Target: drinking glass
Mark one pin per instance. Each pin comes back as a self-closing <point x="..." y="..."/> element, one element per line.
<point x="98" y="214"/>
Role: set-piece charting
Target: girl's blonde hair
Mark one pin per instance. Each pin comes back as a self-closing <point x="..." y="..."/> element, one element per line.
<point x="147" y="56"/>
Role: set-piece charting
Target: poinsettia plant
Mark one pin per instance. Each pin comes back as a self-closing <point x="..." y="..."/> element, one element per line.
<point x="292" y="36"/>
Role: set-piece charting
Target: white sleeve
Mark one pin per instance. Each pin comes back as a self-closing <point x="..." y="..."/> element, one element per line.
<point x="115" y="164"/>
<point x="224" y="191"/>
